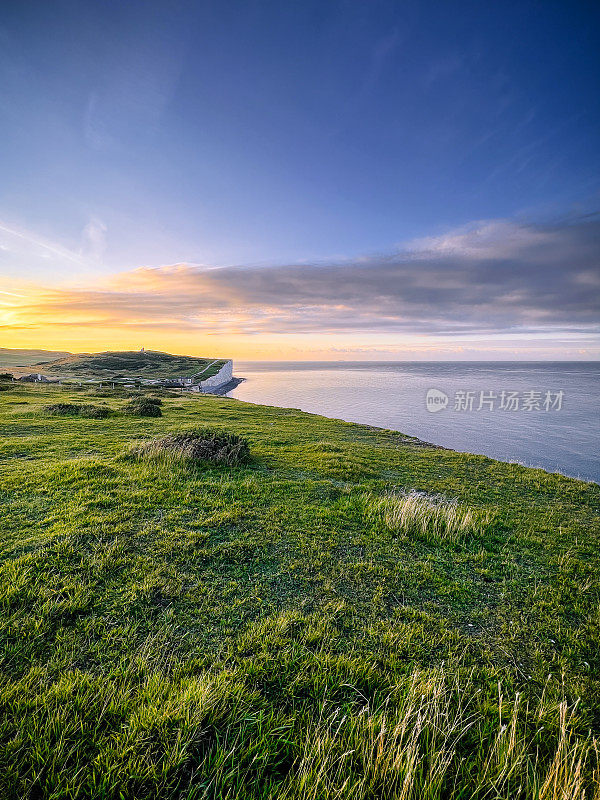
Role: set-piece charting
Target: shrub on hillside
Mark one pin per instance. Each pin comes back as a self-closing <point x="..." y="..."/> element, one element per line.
<point x="76" y="410"/>
<point x="143" y="407"/>
<point x="63" y="409"/>
<point x="137" y="398"/>
<point x="142" y="399"/>
<point x="5" y="381"/>
<point x="203" y="444"/>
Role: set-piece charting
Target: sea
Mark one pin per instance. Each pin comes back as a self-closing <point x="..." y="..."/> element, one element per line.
<point x="539" y="414"/>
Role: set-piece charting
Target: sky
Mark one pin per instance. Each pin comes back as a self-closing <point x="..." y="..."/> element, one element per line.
<point x="301" y="180"/>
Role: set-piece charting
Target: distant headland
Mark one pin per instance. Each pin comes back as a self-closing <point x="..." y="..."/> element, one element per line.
<point x="130" y="367"/>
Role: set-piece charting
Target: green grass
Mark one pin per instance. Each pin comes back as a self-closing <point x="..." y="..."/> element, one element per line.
<point x="433" y="518"/>
<point x="198" y="445"/>
<point x="130" y="365"/>
<point x="289" y="627"/>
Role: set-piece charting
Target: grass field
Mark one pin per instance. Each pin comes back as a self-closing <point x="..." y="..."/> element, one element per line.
<point x="347" y="615"/>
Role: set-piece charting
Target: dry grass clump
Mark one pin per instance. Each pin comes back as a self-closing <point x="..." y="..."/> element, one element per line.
<point x="431" y="741"/>
<point x="432" y="517"/>
<point x="76" y="410"/>
<point x="201" y="444"/>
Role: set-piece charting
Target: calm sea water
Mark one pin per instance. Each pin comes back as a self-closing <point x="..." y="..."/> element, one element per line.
<point x="559" y="431"/>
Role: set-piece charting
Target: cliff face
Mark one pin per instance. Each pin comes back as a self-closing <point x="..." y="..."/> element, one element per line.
<point x="223" y="376"/>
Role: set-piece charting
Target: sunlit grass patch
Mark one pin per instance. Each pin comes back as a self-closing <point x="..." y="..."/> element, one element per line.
<point x="431" y="517"/>
<point x="201" y="444"/>
<point x="335" y="460"/>
<point x="418" y="743"/>
<point x="149" y="727"/>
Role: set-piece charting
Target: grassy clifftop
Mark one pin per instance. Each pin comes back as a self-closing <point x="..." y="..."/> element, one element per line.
<point x="22" y="358"/>
<point x="134" y="363"/>
<point x="289" y="627"/>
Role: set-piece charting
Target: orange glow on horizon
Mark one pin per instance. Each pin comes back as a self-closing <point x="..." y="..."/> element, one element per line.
<point x="188" y="315"/>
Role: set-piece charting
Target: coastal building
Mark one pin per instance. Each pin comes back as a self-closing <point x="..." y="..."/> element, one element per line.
<point x="35" y="377"/>
<point x="195" y="383"/>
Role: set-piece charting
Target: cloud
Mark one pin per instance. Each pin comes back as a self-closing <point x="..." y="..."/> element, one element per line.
<point x="486" y="279"/>
<point x="93" y="239"/>
<point x="21" y="242"/>
<point x="24" y="252"/>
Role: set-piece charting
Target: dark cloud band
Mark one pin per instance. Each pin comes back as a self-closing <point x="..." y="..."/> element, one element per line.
<point x="492" y="277"/>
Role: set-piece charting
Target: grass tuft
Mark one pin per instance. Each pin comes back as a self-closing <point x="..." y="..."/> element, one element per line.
<point x="202" y="444"/>
<point x="434" y="518"/>
<point x="418" y="744"/>
<point x="143" y="407"/>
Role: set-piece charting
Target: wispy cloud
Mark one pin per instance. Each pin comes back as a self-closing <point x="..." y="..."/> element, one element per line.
<point x="93" y="239"/>
<point x="25" y="252"/>
<point x="490" y="278"/>
<point x="18" y="242"/>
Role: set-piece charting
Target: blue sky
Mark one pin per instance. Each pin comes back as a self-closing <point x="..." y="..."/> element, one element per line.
<point x="145" y="134"/>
